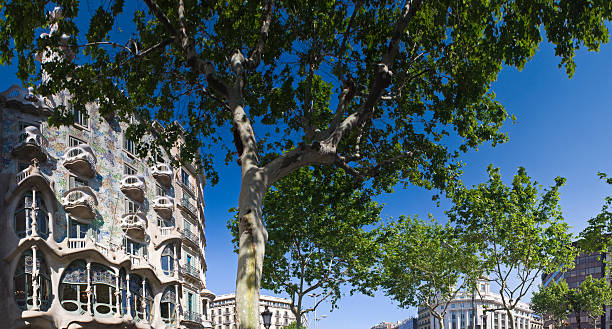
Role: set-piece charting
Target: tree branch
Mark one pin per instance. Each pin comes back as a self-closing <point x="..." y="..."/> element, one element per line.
<point x="255" y="57"/>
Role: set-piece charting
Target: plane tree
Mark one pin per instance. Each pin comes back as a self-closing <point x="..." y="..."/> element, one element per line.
<point x="389" y="91"/>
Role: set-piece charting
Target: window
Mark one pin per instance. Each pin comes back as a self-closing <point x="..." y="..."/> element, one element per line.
<point x="167" y="260"/>
<point x="73" y="286"/>
<point x="103" y="286"/>
<point x="73" y="141"/>
<point x="136" y="295"/>
<point x="23" y="285"/>
<point x="160" y="191"/>
<point x="129" y="145"/>
<point x="167" y="305"/>
<point x="186" y="179"/>
<point x="129" y="170"/>
<point x="161" y="222"/>
<point x="131" y="206"/>
<point x="80" y="117"/>
<point x="76" y="230"/>
<point x="74" y="181"/>
<point x="31" y="205"/>
<point x="134" y="248"/>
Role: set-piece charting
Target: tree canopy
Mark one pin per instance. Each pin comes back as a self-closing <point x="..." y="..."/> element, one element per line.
<point x="391" y="92"/>
<point x="320" y="237"/>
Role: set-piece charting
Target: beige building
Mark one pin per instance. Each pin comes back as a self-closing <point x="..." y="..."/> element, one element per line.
<point x="91" y="235"/>
<point x="223" y="311"/>
<point x="471" y="311"/>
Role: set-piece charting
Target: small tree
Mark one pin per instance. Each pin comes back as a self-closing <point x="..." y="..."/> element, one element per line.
<point x="317" y="240"/>
<point x="597" y="236"/>
<point x="592" y="295"/>
<point x="520" y="233"/>
<point x="425" y="264"/>
<point x="551" y="302"/>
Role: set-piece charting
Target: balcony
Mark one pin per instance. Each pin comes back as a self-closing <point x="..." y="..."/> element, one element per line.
<point x="25" y="100"/>
<point x="81" y="160"/>
<point x="133" y="187"/>
<point x="188" y="269"/>
<point x="32" y="145"/>
<point x="188" y="207"/>
<point x="163" y="173"/>
<point x="164" y="206"/>
<point x="134" y="225"/>
<point x="192" y="317"/>
<point x="190" y="236"/>
<point x="81" y="203"/>
<point x="76" y="243"/>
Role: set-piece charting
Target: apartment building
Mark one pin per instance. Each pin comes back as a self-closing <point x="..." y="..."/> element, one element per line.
<point x="223" y="311"/>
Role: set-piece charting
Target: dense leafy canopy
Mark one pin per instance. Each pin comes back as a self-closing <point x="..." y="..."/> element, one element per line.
<point x="552" y="303"/>
<point x="426" y="264"/>
<point x="519" y="230"/>
<point x="318" y="237"/>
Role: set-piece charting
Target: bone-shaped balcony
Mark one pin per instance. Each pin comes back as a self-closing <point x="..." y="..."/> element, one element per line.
<point x="164" y="206"/>
<point x="81" y="203"/>
<point x="134" y="225"/>
<point x="133" y="187"/>
<point x="32" y="145"/>
<point x="163" y="173"/>
<point x="81" y="160"/>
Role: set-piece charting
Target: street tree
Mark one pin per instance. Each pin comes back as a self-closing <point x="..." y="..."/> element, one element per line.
<point x="519" y="231"/>
<point x="390" y="91"/>
<point x="319" y="237"/>
<point x="426" y="264"/>
<point x="551" y="302"/>
<point x="591" y="297"/>
<point x="597" y="236"/>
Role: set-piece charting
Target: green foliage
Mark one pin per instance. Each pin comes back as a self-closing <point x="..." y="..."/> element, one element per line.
<point x="426" y="264"/>
<point x="318" y="235"/>
<point x="597" y="236"/>
<point x="448" y="56"/>
<point x="557" y="300"/>
<point x="552" y="302"/>
<point x="519" y="230"/>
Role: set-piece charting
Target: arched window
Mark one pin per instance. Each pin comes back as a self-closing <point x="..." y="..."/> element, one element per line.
<point x="103" y="285"/>
<point x="149" y="302"/>
<point x="167" y="305"/>
<point x="136" y="295"/>
<point x="73" y="286"/>
<point x="31" y="207"/>
<point x="23" y="288"/>
<point x="123" y="290"/>
<point x="167" y="260"/>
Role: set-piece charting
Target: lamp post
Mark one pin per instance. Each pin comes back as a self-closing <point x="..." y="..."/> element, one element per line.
<point x="319" y="319"/>
<point x="267" y="318"/>
<point x="313" y="295"/>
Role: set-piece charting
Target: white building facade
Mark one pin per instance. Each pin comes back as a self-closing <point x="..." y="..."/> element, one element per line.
<point x="471" y="311"/>
<point x="223" y="311"/>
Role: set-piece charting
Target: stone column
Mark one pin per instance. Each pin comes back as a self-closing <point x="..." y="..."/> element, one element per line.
<point x="33" y="211"/>
<point x="143" y="304"/>
<point x="176" y="262"/>
<point x="128" y="295"/>
<point x="89" y="289"/>
<point x="177" y="307"/>
<point x="117" y="293"/>
<point x="35" y="284"/>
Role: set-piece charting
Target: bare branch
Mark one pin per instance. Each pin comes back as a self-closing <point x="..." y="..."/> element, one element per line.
<point x="255" y="57"/>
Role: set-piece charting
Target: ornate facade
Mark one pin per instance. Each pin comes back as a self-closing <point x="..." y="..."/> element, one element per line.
<point x="92" y="236"/>
<point x="223" y="312"/>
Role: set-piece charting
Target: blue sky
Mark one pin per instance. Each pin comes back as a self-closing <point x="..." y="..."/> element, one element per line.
<point x="562" y="129"/>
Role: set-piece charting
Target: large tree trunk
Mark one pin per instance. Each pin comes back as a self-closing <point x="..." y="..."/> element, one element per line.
<point x="577" y="315"/>
<point x="511" y="319"/>
<point x="298" y="316"/>
<point x="253" y="238"/>
<point x="440" y="321"/>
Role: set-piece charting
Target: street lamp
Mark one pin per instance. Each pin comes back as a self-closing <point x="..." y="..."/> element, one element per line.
<point x="313" y="295"/>
<point x="267" y="317"/>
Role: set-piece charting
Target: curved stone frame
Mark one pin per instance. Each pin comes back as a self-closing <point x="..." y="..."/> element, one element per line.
<point x="103" y="283"/>
<point x="74" y="280"/>
<point x="167" y="303"/>
<point x="33" y="182"/>
<point x="36" y="285"/>
<point x="170" y="256"/>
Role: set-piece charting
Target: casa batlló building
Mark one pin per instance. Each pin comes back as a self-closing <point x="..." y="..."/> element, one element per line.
<point x="91" y="236"/>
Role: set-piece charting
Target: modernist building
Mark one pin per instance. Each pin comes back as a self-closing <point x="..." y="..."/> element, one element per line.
<point x="223" y="311"/>
<point x="91" y="235"/>
<point x="585" y="265"/>
<point x="469" y="309"/>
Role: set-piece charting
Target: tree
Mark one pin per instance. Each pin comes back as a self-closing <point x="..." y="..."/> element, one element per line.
<point x="597" y="236"/>
<point x="551" y="302"/>
<point x="426" y="264"/>
<point x="520" y="232"/>
<point x="557" y="300"/>
<point x="317" y="237"/>
<point x="591" y="297"/>
<point x="382" y="89"/>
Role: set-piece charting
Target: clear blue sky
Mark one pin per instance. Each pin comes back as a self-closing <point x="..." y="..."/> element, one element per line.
<point x="562" y="129"/>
